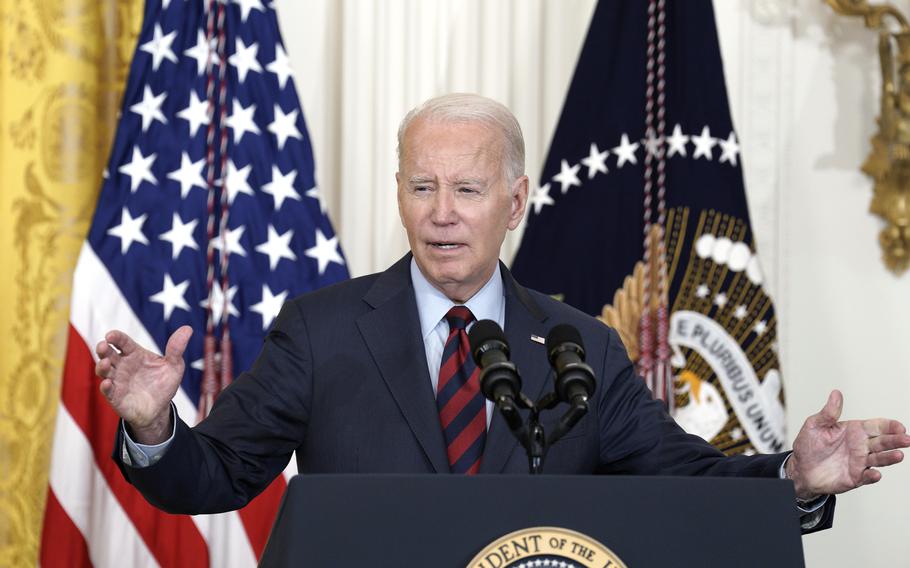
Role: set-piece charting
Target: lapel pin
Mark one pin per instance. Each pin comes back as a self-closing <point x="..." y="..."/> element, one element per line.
<point x="538" y="339"/>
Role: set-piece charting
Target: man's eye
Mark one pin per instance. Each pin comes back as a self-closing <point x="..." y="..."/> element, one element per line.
<point x="468" y="190"/>
<point x="421" y="189"/>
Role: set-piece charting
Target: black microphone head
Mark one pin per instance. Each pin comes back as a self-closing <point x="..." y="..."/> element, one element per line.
<point x="566" y="351"/>
<point x="484" y="331"/>
<point x="562" y="334"/>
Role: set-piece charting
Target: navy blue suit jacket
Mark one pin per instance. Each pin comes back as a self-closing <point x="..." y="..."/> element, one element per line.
<point x="342" y="380"/>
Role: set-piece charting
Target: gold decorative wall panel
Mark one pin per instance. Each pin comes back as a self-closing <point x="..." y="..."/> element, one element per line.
<point x="63" y="66"/>
<point x="888" y="163"/>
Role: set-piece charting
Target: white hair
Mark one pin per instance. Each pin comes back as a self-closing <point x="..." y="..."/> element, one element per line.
<point x="466" y="107"/>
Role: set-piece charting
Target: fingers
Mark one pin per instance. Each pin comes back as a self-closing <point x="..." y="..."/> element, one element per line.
<point x="834" y="406"/>
<point x="887" y="442"/>
<point x="884" y="459"/>
<point x="106" y="352"/>
<point x="107" y="388"/>
<point x="104" y="368"/>
<point x="880" y="426"/>
<point x="123" y="342"/>
<point x="871" y="476"/>
<point x="109" y="358"/>
<point x="176" y="344"/>
<point x="830" y="413"/>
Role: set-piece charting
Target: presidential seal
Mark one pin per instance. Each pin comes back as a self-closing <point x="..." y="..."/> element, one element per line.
<point x="551" y="547"/>
<point x="721" y="336"/>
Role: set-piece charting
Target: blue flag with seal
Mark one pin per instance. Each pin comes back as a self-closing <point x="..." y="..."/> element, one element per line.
<point x="641" y="219"/>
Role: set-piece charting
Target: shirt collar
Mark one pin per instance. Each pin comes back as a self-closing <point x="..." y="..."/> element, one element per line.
<point x="432" y="305"/>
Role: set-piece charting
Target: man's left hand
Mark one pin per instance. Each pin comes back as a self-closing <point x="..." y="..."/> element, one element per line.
<point x="832" y="457"/>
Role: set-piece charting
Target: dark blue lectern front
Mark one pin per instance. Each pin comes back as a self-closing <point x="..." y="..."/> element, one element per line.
<point x="445" y="520"/>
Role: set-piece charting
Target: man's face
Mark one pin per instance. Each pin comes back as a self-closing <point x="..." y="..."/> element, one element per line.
<point x="455" y="202"/>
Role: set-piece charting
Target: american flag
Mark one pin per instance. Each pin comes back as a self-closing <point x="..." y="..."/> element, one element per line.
<point x="210" y="216"/>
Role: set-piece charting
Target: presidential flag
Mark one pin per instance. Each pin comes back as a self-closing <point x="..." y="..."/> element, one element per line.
<point x="210" y="216"/>
<point x="641" y="219"/>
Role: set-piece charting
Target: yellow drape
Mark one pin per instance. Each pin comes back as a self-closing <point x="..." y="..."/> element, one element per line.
<point x="63" y="67"/>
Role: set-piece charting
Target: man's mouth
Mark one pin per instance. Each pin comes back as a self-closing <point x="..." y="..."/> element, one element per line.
<point x="444" y="245"/>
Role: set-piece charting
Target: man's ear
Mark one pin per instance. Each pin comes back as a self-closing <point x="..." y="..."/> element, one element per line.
<point x="398" y="192"/>
<point x="519" y="200"/>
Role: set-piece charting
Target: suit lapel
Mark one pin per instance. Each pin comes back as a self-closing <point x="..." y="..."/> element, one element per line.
<point x="523" y="319"/>
<point x="392" y="334"/>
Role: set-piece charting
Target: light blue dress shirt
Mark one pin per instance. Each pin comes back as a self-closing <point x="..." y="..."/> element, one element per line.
<point x="432" y="305"/>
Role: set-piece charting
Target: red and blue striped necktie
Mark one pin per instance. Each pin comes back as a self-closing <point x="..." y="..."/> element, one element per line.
<point x="462" y="409"/>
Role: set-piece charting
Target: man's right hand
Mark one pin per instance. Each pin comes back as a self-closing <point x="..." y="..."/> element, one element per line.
<point x="139" y="384"/>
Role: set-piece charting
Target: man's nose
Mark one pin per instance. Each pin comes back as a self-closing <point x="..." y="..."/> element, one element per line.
<point x="444" y="207"/>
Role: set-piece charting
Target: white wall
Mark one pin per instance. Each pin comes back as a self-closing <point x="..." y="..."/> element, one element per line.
<point x="804" y="93"/>
<point x="804" y="88"/>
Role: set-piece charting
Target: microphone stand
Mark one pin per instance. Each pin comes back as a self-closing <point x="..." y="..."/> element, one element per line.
<point x="532" y="435"/>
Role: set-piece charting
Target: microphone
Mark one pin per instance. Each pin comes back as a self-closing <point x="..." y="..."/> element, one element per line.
<point x="499" y="380"/>
<point x="566" y="352"/>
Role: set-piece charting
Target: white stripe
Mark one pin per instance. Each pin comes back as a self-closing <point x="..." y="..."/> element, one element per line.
<point x="86" y="498"/>
<point x="291" y="470"/>
<point x="227" y="541"/>
<point x="99" y="306"/>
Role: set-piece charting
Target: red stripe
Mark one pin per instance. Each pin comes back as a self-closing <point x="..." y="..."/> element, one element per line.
<point x="467" y="437"/>
<point x="461" y="312"/>
<point x="259" y="515"/>
<point x="448" y="369"/>
<point x="61" y="542"/>
<point x="460" y="399"/>
<point x="464" y="344"/>
<point x="474" y="468"/>
<point x="173" y="539"/>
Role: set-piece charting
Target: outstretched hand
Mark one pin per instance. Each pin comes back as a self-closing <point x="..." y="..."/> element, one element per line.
<point x="832" y="457"/>
<point x="140" y="384"/>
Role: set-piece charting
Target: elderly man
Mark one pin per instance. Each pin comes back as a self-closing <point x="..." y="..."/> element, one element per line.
<point x="372" y="375"/>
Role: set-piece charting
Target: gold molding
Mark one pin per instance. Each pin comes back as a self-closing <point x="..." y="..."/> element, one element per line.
<point x="888" y="163"/>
